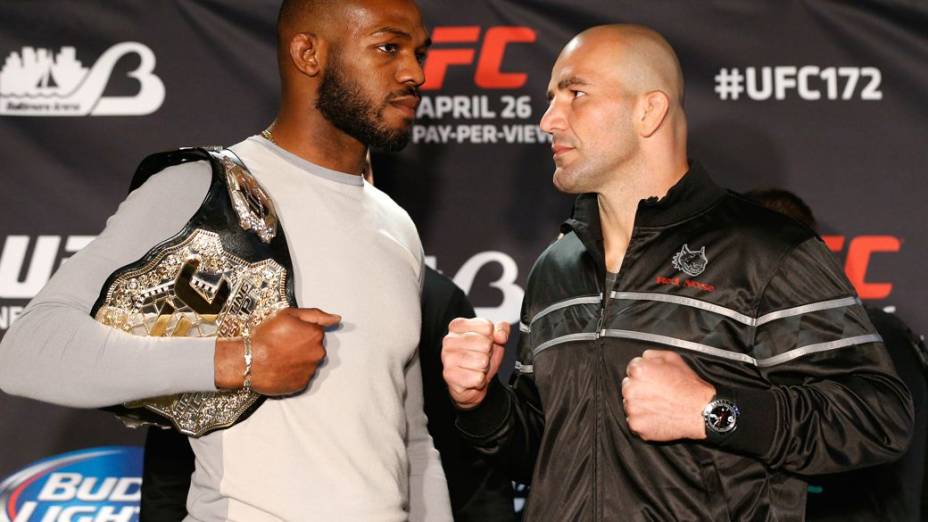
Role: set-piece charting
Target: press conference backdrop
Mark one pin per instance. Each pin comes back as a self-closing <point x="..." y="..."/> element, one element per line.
<point x="824" y="98"/>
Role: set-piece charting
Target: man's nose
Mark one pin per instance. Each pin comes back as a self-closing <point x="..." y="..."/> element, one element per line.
<point x="553" y="119"/>
<point x="410" y="71"/>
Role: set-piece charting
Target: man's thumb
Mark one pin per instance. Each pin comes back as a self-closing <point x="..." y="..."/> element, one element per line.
<point x="317" y="316"/>
<point x="496" y="359"/>
<point x="501" y="333"/>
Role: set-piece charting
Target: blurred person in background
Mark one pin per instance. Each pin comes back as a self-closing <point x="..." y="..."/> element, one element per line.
<point x="893" y="491"/>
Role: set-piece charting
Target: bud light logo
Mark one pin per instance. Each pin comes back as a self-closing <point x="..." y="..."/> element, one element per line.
<point x="93" y="485"/>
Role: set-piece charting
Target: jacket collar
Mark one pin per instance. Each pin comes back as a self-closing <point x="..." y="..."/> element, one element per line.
<point x="694" y="193"/>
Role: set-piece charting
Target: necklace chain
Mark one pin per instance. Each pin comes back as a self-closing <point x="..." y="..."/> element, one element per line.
<point x="269" y="136"/>
<point x="266" y="134"/>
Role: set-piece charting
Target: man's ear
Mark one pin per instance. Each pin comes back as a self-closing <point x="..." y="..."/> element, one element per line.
<point x="654" y="111"/>
<point x="306" y="53"/>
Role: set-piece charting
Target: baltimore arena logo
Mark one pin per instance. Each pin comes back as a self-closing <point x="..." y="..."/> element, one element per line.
<point x="39" y="82"/>
<point x="88" y="485"/>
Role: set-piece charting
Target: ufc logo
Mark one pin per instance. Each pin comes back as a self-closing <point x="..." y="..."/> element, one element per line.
<point x="859" y="252"/>
<point x="488" y="74"/>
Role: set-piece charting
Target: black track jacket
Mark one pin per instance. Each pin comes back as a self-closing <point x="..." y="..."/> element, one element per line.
<point x="754" y="303"/>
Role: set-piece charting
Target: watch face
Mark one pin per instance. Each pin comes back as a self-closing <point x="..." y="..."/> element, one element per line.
<point x="722" y="416"/>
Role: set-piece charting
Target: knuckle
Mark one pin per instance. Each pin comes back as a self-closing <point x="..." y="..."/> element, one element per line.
<point x="631" y="409"/>
<point x="315" y="332"/>
<point x="475" y="380"/>
<point x="451" y="358"/>
<point x="479" y="360"/>
<point x="462" y="341"/>
<point x="482" y="326"/>
<point x="629" y="392"/>
<point x="476" y="341"/>
<point x="456" y="378"/>
<point x="450" y="362"/>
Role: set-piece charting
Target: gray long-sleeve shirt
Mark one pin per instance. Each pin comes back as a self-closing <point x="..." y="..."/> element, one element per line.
<point x="56" y="352"/>
<point x="354" y="446"/>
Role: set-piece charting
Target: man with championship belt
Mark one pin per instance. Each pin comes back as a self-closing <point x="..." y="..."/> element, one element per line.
<point x="295" y="414"/>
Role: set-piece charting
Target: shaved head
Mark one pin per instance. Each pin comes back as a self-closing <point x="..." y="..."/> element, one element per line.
<point x="641" y="55"/>
<point x="302" y="15"/>
<point x="350" y="71"/>
<point x="616" y="109"/>
<point x="332" y="22"/>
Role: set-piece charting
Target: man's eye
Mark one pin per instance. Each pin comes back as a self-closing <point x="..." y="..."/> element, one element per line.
<point x="388" y="48"/>
<point x="578" y="94"/>
<point x="420" y="57"/>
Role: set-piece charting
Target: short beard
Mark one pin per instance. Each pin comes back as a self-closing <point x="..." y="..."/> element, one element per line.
<point x="340" y="100"/>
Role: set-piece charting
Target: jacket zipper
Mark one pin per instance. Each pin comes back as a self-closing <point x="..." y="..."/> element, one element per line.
<point x="597" y="398"/>
<point x="600" y="343"/>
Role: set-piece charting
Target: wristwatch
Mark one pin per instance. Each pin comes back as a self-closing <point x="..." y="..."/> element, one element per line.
<point x="721" y="416"/>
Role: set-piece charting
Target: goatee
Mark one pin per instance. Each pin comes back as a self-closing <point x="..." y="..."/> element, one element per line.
<point x="341" y="101"/>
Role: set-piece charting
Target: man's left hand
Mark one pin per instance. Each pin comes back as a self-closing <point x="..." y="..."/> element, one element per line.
<point x="664" y="398"/>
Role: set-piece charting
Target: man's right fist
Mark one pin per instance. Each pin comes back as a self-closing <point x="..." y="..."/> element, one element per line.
<point x="471" y="354"/>
<point x="286" y="349"/>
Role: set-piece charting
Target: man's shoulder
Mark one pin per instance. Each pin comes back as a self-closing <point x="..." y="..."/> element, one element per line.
<point x="563" y="253"/>
<point x="182" y="169"/>
<point x="562" y="271"/>
<point x="173" y="182"/>
<point x="765" y="230"/>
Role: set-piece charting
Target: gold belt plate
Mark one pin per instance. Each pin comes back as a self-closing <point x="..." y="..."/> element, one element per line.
<point x="195" y="289"/>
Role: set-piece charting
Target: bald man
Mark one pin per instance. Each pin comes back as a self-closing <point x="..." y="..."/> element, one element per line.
<point x="684" y="354"/>
<point x="344" y="437"/>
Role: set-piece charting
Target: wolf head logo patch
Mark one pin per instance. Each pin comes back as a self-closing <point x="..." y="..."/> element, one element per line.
<point x="691" y="262"/>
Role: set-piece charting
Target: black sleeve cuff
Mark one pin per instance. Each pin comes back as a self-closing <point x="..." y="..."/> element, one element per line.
<point x="757" y="422"/>
<point x="489" y="417"/>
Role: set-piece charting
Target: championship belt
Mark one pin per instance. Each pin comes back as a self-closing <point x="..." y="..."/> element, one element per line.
<point x="227" y="270"/>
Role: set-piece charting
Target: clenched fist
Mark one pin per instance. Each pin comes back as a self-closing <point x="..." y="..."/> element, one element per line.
<point x="287" y="347"/>
<point x="471" y="354"/>
<point x="664" y="398"/>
